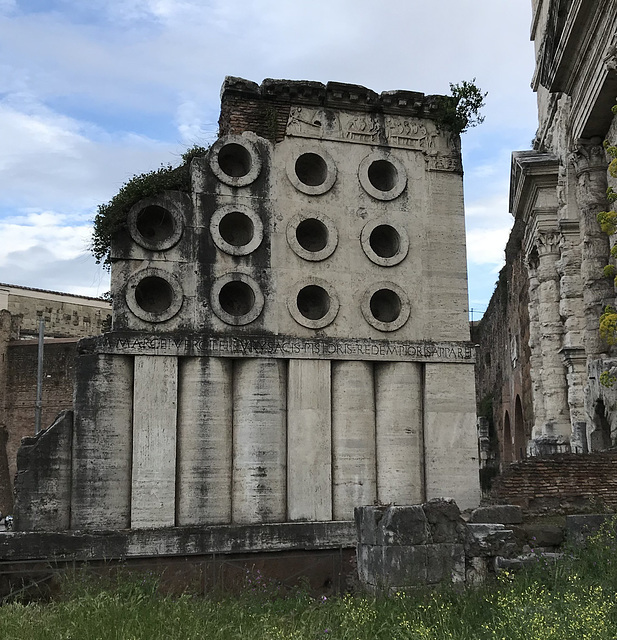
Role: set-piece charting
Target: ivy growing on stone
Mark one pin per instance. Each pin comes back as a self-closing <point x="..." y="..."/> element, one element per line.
<point x="111" y="217"/>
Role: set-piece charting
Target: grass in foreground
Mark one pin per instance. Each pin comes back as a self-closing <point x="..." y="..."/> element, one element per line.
<point x="574" y="599"/>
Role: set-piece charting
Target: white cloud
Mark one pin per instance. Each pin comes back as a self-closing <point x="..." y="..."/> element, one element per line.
<point x="73" y="73"/>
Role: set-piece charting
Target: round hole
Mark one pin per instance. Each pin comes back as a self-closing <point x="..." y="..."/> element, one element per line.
<point x="312" y="234"/>
<point x="234" y="160"/>
<point x="154" y="295"/>
<point x="313" y="302"/>
<point x="236" y="298"/>
<point x="382" y="175"/>
<point x="236" y="229"/>
<point x="385" y="305"/>
<point x="385" y="241"/>
<point x="311" y="169"/>
<point x="155" y="224"/>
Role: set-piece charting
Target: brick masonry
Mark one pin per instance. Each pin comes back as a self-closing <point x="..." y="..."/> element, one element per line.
<point x="560" y="483"/>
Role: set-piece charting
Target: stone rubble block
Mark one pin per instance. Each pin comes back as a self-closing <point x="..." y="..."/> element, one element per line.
<point x="445" y="563"/>
<point x="444" y="517"/>
<point x="485" y="540"/>
<point x="392" y="525"/>
<point x="497" y="514"/>
<point x="403" y="526"/>
<point x="385" y="567"/>
<point x="367" y="523"/>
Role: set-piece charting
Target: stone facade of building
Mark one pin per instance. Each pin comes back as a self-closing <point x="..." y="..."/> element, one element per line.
<point x="557" y="190"/>
<point x="289" y="339"/>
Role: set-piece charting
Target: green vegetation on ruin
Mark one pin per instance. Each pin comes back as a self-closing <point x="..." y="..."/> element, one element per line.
<point x="573" y="598"/>
<point x="111" y="217"/>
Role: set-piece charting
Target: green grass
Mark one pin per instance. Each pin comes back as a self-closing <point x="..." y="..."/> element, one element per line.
<point x="574" y="599"/>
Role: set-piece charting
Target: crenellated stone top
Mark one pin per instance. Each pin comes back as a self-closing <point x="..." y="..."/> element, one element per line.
<point x="336" y="95"/>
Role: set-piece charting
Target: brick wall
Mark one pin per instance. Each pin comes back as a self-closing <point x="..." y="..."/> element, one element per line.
<point x="564" y="483"/>
<point x="58" y="373"/>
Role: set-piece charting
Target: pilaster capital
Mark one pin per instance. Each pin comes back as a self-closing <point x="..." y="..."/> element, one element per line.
<point x="548" y="242"/>
<point x="588" y="155"/>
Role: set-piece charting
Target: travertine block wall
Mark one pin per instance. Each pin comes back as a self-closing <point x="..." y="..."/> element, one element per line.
<point x="291" y="338"/>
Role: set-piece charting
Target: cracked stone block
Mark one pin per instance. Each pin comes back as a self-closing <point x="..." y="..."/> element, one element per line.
<point x="403" y="526"/>
<point x="367" y="524"/>
<point x="490" y="540"/>
<point x="444" y="517"/>
<point x="445" y="563"/>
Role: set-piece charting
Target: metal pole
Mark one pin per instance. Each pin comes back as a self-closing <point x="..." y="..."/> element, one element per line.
<point x="39" y="380"/>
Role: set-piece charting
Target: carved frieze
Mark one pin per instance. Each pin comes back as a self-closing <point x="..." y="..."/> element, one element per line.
<point x="442" y="152"/>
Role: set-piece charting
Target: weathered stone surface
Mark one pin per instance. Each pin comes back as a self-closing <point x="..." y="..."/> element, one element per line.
<point x="444" y="518"/>
<point x="367" y="521"/>
<point x="498" y="514"/>
<point x="309" y="440"/>
<point x="43" y="482"/>
<point x="445" y="563"/>
<point x="354" y="473"/>
<point x="112" y="544"/>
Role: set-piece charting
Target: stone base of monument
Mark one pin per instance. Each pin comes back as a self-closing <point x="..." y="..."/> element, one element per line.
<point x="403" y="547"/>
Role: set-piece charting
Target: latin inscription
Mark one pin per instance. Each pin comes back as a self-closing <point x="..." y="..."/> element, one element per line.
<point x="282" y="347"/>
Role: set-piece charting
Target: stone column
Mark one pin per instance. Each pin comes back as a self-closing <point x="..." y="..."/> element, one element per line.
<point x="205" y="417"/>
<point x="590" y="164"/>
<point x="309" y="440"/>
<point x="259" y="441"/>
<point x="153" y="478"/>
<point x="354" y="471"/>
<point x="556" y="425"/>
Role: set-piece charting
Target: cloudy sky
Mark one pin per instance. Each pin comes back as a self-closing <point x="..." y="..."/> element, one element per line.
<point x="95" y="91"/>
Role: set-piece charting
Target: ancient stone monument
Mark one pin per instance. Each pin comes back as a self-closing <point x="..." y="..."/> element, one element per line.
<point x="290" y="339"/>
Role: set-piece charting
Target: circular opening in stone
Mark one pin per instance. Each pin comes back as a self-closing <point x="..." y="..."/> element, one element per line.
<point x="155" y="224"/>
<point x="313" y="302"/>
<point x="385" y="241"/>
<point x="236" y="229"/>
<point x="312" y="234"/>
<point x="382" y="175"/>
<point x="236" y="298"/>
<point x="311" y="169"/>
<point x="154" y="295"/>
<point x="385" y="305"/>
<point x="234" y="160"/>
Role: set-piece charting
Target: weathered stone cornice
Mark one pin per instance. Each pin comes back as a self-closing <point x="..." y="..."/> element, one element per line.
<point x="337" y="95"/>
<point x="533" y="182"/>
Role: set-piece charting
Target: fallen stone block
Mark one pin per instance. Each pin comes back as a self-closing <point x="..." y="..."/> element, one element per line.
<point x="497" y="514"/>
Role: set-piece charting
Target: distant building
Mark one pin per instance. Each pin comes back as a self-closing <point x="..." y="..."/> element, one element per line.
<point x="67" y="319"/>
